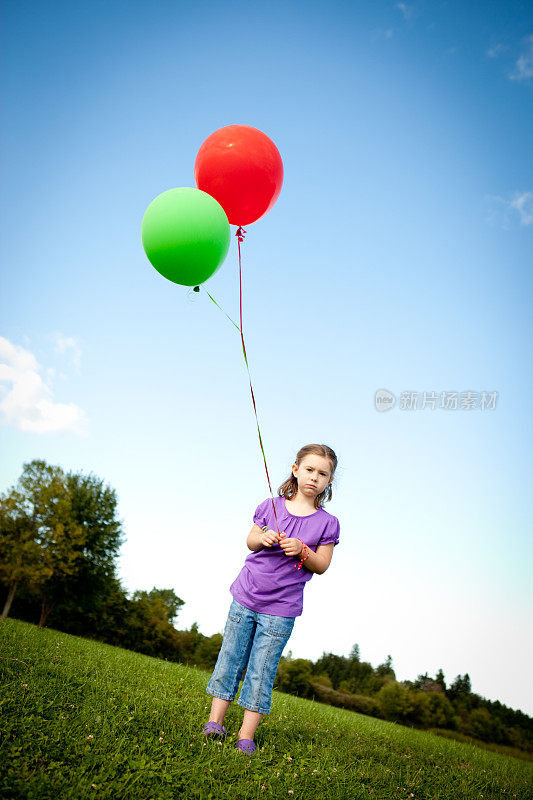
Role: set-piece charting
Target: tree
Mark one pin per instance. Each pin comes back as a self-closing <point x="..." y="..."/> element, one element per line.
<point x="19" y="551"/>
<point x="82" y="598"/>
<point x="483" y="726"/>
<point x="385" y="669"/>
<point x="394" y="701"/>
<point x="166" y="599"/>
<point x="441" y="710"/>
<point x="207" y="651"/>
<point x="334" y="666"/>
<point x="94" y="507"/>
<point x="399" y="704"/>
<point x="62" y="538"/>
<point x="188" y="642"/>
<point x="460" y="687"/>
<point x="426" y="684"/>
<point x="439" y="678"/>
<point x="294" y="677"/>
<point x="355" y="654"/>
<point x="39" y="533"/>
<point x="170" y="600"/>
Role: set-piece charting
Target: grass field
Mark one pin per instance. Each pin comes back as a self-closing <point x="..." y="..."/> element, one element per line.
<point x="79" y="719"/>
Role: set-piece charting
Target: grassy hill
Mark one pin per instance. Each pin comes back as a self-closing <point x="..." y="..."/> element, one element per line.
<point x="80" y="719"/>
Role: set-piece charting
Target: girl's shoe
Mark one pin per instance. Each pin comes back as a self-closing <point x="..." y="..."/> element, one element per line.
<point x="212" y="730"/>
<point x="246" y="745"/>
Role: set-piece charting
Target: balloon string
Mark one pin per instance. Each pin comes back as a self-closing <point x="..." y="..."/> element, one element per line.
<point x="240" y="238"/>
<point x="228" y="316"/>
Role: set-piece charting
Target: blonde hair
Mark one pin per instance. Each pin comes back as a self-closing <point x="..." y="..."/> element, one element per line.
<point x="289" y="488"/>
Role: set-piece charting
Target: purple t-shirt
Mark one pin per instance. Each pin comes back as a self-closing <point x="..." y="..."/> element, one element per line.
<point x="268" y="582"/>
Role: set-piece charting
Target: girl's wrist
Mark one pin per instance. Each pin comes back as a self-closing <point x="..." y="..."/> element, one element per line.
<point x="304" y="553"/>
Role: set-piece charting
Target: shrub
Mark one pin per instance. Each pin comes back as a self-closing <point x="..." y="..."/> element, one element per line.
<point x="352" y="702"/>
<point x="399" y="704"/>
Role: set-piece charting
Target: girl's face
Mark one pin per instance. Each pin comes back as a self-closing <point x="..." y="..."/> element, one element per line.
<point x="313" y="475"/>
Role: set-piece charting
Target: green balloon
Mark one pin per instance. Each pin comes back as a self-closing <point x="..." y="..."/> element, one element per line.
<point x="185" y="234"/>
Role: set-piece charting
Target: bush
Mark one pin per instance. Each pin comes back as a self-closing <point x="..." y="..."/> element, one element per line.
<point x="482" y="725"/>
<point x="323" y="680"/>
<point x="352" y="702"/>
<point x="441" y="713"/>
<point x="294" y="677"/>
<point x="399" y="704"/>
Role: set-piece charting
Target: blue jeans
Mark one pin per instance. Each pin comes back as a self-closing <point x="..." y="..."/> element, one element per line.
<point x="254" y="642"/>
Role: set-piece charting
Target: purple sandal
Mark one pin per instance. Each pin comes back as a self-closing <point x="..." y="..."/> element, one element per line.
<point x="212" y="730"/>
<point x="246" y="745"/>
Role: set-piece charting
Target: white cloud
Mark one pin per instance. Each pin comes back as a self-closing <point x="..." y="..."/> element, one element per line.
<point x="524" y="64"/>
<point x="67" y="344"/>
<point x="506" y="211"/>
<point x="382" y="33"/>
<point x="406" y="10"/>
<point x="523" y="203"/>
<point x="26" y="401"/>
<point x="494" y="52"/>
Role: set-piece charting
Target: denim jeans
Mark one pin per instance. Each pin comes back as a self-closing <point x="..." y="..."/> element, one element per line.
<point x="254" y="642"/>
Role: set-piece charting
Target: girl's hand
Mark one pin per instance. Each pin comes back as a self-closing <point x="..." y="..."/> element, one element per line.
<point x="269" y="538"/>
<point x="291" y="547"/>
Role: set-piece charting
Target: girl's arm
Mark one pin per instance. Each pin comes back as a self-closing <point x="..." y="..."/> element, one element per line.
<point x="317" y="561"/>
<point x="253" y="541"/>
<point x="320" y="560"/>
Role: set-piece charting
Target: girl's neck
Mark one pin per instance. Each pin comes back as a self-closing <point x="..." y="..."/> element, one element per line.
<point x="301" y="503"/>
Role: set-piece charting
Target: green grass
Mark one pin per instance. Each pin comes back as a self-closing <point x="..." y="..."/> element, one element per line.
<point x="81" y="719"/>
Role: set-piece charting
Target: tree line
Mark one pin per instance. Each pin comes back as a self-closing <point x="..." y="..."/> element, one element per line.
<point x="59" y="543"/>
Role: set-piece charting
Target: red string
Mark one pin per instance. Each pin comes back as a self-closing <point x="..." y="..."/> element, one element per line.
<point x="240" y="238"/>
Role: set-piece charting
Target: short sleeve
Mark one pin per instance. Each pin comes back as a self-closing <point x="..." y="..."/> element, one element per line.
<point x="331" y="533"/>
<point x="261" y="513"/>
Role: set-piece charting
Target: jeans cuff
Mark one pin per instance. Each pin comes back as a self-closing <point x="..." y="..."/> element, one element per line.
<point x="220" y="696"/>
<point x="257" y="710"/>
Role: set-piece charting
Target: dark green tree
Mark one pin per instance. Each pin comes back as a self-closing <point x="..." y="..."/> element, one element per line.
<point x="460" y="687"/>
<point x="20" y="553"/>
<point x="334" y="666"/>
<point x="355" y="654"/>
<point x="207" y="651"/>
<point x="385" y="669"/>
<point x="81" y="597"/>
<point x="439" y="678"/>
<point x="167" y="599"/>
<point x="59" y="540"/>
<point x="294" y="677"/>
<point x="45" y="546"/>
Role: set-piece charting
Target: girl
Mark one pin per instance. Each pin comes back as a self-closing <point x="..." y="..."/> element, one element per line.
<point x="268" y="591"/>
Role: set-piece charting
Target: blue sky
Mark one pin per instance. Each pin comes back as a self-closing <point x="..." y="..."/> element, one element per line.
<point x="398" y="256"/>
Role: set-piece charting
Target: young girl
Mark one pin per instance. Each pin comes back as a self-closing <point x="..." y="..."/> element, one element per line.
<point x="268" y="591"/>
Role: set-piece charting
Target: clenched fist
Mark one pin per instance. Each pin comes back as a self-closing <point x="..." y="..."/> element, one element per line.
<point x="291" y="547"/>
<point x="269" y="538"/>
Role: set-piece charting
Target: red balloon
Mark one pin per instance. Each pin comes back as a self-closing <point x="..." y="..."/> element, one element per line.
<point x="241" y="168"/>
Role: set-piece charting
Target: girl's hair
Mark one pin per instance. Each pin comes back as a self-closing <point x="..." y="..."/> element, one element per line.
<point x="289" y="488"/>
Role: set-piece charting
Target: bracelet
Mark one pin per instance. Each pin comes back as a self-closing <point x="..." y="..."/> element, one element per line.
<point x="304" y="549"/>
<point x="306" y="556"/>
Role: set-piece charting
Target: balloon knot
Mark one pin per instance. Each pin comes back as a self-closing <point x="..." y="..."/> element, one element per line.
<point x="196" y="289"/>
<point x="239" y="233"/>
